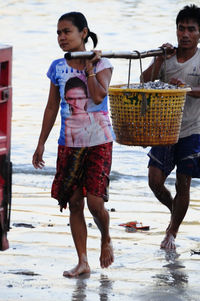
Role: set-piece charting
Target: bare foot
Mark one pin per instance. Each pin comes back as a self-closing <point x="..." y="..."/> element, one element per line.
<point x="5" y="243"/>
<point x="82" y="268"/>
<point x="168" y="242"/>
<point x="107" y="256"/>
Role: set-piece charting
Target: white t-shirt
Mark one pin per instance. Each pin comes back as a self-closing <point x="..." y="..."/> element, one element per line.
<point x="188" y="72"/>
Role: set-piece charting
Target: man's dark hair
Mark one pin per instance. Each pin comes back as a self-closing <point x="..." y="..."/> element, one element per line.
<point x="189" y="12"/>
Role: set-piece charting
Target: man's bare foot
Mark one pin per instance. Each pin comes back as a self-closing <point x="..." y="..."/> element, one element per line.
<point x="82" y="268"/>
<point x="5" y="243"/>
<point x="168" y="242"/>
<point x="107" y="256"/>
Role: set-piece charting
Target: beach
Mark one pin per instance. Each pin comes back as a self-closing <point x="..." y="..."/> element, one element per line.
<point x="41" y="248"/>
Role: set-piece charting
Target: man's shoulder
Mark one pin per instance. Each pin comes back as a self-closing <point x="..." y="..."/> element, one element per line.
<point x="198" y="51"/>
<point x="197" y="54"/>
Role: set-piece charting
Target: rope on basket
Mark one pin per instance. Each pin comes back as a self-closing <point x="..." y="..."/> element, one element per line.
<point x="154" y="63"/>
<point x="129" y="73"/>
<point x="165" y="58"/>
<point x="153" y="68"/>
<point x="144" y="99"/>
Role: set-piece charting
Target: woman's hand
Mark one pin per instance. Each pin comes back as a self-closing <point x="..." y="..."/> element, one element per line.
<point x="37" y="160"/>
<point x="89" y="63"/>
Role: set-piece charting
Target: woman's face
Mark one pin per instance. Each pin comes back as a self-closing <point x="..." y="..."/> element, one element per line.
<point x="69" y="36"/>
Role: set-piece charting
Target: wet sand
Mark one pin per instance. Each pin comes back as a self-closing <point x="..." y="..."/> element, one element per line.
<point x="41" y="248"/>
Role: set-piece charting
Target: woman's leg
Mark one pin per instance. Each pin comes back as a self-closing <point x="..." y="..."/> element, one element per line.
<point x="101" y="218"/>
<point x="79" y="234"/>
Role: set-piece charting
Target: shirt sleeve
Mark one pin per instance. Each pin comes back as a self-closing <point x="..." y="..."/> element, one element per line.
<point x="51" y="73"/>
<point x="104" y="63"/>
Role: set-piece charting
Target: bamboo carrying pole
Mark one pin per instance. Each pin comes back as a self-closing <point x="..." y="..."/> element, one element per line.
<point x="119" y="54"/>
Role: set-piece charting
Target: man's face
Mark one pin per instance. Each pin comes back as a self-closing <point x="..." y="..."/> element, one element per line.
<point x="76" y="98"/>
<point x="188" y="34"/>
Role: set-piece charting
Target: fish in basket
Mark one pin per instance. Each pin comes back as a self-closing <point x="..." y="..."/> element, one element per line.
<point x="147" y="115"/>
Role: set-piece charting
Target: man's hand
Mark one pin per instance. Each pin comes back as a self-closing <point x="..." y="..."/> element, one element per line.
<point x="177" y="82"/>
<point x="170" y="51"/>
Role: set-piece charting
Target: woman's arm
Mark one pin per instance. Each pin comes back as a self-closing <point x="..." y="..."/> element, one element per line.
<point x="49" y="118"/>
<point x="97" y="83"/>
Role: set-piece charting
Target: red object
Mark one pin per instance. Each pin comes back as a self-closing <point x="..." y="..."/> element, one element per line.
<point x="5" y="138"/>
<point x="5" y="98"/>
<point x="1" y="190"/>
<point x="136" y="225"/>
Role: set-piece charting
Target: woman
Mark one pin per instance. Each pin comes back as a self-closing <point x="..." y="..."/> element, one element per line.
<point x="83" y="168"/>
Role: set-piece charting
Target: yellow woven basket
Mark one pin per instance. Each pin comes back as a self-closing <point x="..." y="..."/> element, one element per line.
<point x="160" y="125"/>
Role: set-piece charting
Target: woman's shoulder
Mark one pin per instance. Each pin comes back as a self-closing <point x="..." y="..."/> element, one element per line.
<point x="60" y="61"/>
<point x="103" y="63"/>
<point x="56" y="68"/>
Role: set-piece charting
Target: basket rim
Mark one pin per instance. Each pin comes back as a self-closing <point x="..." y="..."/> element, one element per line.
<point x="116" y="88"/>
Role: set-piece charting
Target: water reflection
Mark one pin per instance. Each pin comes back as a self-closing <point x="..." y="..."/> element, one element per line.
<point x="173" y="273"/>
<point x="79" y="293"/>
<point x="105" y="288"/>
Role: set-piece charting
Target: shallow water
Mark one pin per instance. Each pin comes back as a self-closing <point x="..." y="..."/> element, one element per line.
<point x="140" y="268"/>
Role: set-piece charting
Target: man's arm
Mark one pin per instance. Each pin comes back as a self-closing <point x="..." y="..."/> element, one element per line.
<point x="195" y="92"/>
<point x="157" y="63"/>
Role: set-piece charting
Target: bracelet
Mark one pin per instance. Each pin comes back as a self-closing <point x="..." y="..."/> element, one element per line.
<point x="90" y="75"/>
<point x="87" y="71"/>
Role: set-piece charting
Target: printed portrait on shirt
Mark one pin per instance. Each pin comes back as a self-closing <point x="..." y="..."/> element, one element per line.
<point x="82" y="128"/>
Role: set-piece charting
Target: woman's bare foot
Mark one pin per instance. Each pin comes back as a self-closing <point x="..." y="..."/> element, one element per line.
<point x="106" y="257"/>
<point x="81" y="268"/>
<point x="5" y="243"/>
<point x="168" y="242"/>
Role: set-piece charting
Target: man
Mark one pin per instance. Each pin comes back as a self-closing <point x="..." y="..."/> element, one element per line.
<point x="183" y="66"/>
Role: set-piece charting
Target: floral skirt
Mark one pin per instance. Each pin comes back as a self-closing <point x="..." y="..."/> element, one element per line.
<point x="85" y="167"/>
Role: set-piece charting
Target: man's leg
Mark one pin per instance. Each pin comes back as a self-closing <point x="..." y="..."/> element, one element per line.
<point x="101" y="218"/>
<point x="157" y="179"/>
<point x="156" y="183"/>
<point x="179" y="209"/>
<point x="79" y="233"/>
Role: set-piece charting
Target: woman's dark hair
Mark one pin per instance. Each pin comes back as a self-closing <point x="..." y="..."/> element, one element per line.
<point x="79" y="20"/>
<point x="75" y="82"/>
<point x="189" y="12"/>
